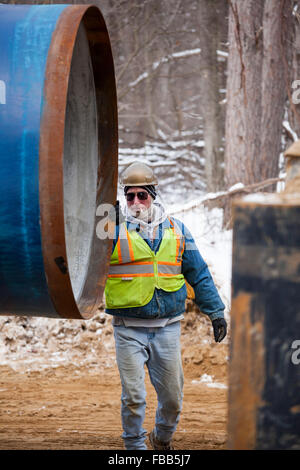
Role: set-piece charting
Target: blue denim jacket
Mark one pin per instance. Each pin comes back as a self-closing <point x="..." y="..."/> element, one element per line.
<point x="170" y="304"/>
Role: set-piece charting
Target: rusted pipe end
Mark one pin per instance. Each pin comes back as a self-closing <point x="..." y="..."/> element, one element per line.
<point x="78" y="159"/>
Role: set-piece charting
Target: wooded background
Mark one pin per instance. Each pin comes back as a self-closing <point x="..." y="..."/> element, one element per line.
<point x="205" y="88"/>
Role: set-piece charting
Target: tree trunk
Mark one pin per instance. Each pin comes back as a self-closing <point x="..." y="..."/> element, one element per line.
<point x="276" y="28"/>
<point x="243" y="115"/>
<point x="210" y="95"/>
<point x="260" y="36"/>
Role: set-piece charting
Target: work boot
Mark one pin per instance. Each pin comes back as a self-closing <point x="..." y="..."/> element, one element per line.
<point x="159" y="445"/>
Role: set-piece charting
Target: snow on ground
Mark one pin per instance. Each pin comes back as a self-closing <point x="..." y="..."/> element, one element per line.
<point x="36" y="343"/>
<point x="208" y="380"/>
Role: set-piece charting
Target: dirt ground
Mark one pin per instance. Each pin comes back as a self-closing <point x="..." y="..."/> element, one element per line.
<point x="73" y="405"/>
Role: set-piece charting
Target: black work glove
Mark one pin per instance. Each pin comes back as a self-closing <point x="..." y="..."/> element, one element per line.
<point x="117" y="209"/>
<point x="220" y="329"/>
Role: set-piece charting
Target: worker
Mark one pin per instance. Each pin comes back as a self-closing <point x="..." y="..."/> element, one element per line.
<point x="153" y="254"/>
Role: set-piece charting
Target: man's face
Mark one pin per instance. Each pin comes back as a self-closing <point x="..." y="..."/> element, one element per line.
<point x="138" y="201"/>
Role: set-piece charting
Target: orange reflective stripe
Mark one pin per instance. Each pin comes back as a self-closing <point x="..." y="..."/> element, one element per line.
<point x="180" y="241"/>
<point x="166" y="274"/>
<point x="130" y="246"/>
<point x="169" y="262"/>
<point x="171" y="223"/>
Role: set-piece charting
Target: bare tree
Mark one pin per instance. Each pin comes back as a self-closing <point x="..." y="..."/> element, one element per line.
<point x="243" y="111"/>
<point x="211" y="16"/>
<point x="277" y="40"/>
<point x="256" y="88"/>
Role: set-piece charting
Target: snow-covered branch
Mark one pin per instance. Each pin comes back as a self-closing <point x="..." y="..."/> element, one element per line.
<point x="234" y="190"/>
<point x="163" y="60"/>
<point x="286" y="125"/>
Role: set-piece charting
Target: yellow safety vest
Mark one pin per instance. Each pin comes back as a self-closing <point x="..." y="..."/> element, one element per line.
<point x="135" y="270"/>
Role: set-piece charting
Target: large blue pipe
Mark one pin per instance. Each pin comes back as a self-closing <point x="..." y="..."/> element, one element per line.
<point x="26" y="32"/>
<point x="25" y="37"/>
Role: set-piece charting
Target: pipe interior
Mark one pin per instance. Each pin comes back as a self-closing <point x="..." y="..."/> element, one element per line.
<point x="80" y="163"/>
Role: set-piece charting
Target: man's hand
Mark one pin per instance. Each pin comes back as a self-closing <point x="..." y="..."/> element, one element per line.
<point x="220" y="329"/>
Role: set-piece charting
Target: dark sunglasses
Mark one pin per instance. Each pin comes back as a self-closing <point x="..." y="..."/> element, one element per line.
<point x="142" y="196"/>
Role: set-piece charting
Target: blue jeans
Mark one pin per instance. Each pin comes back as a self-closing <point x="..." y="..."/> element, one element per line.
<point x="159" y="349"/>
